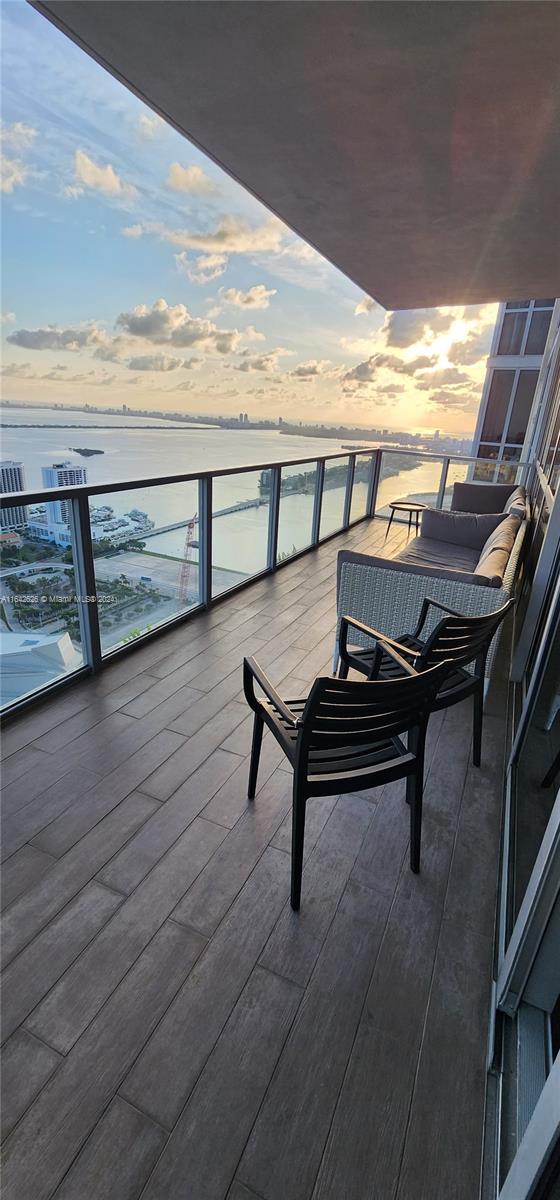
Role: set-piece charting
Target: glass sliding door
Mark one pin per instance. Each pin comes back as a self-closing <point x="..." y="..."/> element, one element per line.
<point x="527" y="989"/>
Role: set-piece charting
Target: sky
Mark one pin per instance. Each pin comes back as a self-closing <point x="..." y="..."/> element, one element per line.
<point x="136" y="272"/>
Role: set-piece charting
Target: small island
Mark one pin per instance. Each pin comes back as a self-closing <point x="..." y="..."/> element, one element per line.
<point x="83" y="450"/>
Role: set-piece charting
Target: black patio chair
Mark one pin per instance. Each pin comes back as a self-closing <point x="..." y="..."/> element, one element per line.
<point x="462" y="641"/>
<point x="345" y="737"/>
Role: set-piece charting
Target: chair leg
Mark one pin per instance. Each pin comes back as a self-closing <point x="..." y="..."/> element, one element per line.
<point x="414" y="787"/>
<point x="298" y="833"/>
<point x="478" y="705"/>
<point x="342" y="670"/>
<point x="255" y="756"/>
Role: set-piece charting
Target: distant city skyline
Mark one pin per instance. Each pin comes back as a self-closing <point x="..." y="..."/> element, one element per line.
<point x="134" y="266"/>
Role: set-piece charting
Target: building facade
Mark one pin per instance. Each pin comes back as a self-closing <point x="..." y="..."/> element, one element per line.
<point x="509" y="397"/>
<point x="62" y="474"/>
<point x="12" y="479"/>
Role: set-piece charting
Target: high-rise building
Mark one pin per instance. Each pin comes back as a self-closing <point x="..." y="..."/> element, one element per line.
<point x="62" y="474"/>
<point x="514" y="363"/>
<point x="12" y="479"/>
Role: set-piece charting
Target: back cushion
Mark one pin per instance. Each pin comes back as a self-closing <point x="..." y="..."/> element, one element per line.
<point x="481" y="497"/>
<point x="497" y="549"/>
<point x="517" y="502"/>
<point x="461" y="528"/>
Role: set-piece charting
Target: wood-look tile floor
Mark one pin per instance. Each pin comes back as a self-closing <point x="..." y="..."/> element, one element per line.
<point x="171" y="1029"/>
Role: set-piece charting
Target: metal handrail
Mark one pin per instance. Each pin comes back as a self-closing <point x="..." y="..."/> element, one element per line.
<point x="82" y="546"/>
<point x="43" y="495"/>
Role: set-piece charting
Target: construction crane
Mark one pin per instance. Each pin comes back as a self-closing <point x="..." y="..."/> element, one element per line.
<point x="186" y="563"/>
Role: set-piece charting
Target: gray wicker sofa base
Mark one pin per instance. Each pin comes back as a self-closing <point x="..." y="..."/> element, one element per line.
<point x="388" y="593"/>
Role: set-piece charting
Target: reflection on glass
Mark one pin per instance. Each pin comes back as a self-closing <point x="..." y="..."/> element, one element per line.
<point x="521" y="408"/>
<point x="485" y="471"/>
<point x="40" y="634"/>
<point x="362" y="476"/>
<point x="456" y="473"/>
<point x="538" y="773"/>
<point x="497" y="406"/>
<point x="334" y="495"/>
<point x="240" y="508"/>
<point x="407" y="477"/>
<point x="511" y="336"/>
<point x="295" y="520"/>
<point x="145" y="547"/>
<point x="538" y="331"/>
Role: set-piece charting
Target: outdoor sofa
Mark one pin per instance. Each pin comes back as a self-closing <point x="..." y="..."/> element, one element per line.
<point x="467" y="557"/>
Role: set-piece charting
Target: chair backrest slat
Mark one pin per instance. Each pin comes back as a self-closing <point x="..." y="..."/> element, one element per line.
<point x="344" y="713"/>
<point x="461" y="639"/>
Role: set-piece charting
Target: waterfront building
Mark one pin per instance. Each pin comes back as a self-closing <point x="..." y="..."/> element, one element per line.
<point x="61" y="474"/>
<point x="12" y="479"/>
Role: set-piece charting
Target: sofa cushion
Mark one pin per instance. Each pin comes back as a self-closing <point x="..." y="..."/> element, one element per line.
<point x="461" y="528"/>
<point x="433" y="552"/>
<point x="495" y="553"/>
<point x="481" y="497"/>
<point x="517" y="503"/>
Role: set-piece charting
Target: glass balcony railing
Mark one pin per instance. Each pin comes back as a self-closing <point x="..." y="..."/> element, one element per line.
<point x="92" y="569"/>
<point x="298" y="487"/>
<point x="405" y="476"/>
<point x="428" y="479"/>
<point x="145" y="555"/>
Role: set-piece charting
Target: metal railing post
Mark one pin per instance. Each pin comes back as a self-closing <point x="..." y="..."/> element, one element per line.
<point x="273" y="518"/>
<point x="84" y="578"/>
<point x="442" y="483"/>
<point x="318" y="501"/>
<point x="205" y="540"/>
<point x="372" y="483"/>
<point x="374" y="478"/>
<point x="349" y="486"/>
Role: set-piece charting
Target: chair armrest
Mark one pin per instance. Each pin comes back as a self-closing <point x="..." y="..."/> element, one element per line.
<point x="251" y="672"/>
<point x="388" y="648"/>
<point x="429" y="600"/>
<point x="346" y="621"/>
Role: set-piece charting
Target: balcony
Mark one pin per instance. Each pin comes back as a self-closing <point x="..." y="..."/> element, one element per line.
<point x="172" y="1025"/>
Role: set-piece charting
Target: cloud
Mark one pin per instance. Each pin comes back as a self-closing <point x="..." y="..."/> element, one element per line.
<point x="7" y="318"/>
<point x="17" y="371"/>
<point x="250" y="334"/>
<point x="174" y="325"/>
<point x="311" y="369"/>
<point x="113" y="349"/>
<point x="57" y="374"/>
<point x="149" y="125"/>
<point x="155" y="362"/>
<point x="191" y="179"/>
<point x="13" y="173"/>
<point x="262" y="362"/>
<point x="18" y="136"/>
<point x="444" y="377"/>
<point x="255" y="297"/>
<point x="367" y="371"/>
<point x="406" y="327"/>
<point x="232" y="235"/>
<point x="187" y="386"/>
<point x="365" y="305"/>
<point x="97" y="177"/>
<point x="203" y="269"/>
<point x="475" y="347"/>
<point x="53" y="338"/>
<point x="456" y="401"/>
